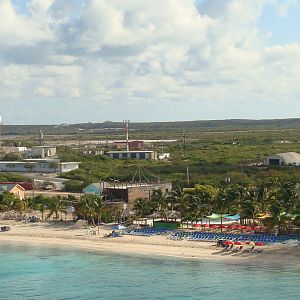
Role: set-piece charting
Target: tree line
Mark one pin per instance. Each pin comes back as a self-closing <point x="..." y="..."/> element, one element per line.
<point x="279" y="200"/>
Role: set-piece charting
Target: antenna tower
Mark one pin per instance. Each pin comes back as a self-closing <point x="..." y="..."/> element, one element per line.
<point x="126" y="122"/>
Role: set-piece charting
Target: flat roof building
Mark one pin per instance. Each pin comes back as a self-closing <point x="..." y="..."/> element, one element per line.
<point x="38" y="166"/>
<point x="142" y="154"/>
<point x="43" y="151"/>
<point x="129" y="192"/>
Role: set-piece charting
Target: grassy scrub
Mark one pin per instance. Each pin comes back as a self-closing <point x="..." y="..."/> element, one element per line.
<point x="209" y="157"/>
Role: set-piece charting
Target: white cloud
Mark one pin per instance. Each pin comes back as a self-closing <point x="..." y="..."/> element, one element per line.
<point x="283" y="7"/>
<point x="17" y="29"/>
<point x="119" y="56"/>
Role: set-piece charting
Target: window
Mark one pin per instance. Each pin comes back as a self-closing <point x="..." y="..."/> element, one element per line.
<point x="124" y="155"/>
<point x="115" y="155"/>
<point x="142" y="155"/>
<point x="132" y="155"/>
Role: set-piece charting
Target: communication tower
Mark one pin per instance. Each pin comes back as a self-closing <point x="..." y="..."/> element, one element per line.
<point x="126" y="122"/>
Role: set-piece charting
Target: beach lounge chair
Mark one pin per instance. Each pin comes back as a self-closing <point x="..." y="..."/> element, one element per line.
<point x="248" y="250"/>
<point x="237" y="249"/>
<point x="257" y="250"/>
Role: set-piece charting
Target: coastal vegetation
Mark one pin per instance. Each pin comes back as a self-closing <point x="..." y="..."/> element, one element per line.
<point x="274" y="205"/>
<point x="215" y="166"/>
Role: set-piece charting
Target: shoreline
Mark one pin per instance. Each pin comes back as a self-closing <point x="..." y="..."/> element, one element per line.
<point x="65" y="235"/>
<point x="115" y="247"/>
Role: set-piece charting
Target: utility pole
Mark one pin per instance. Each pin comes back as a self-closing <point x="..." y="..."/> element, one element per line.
<point x="126" y="122"/>
<point x="187" y="174"/>
<point x="184" y="140"/>
<point x="33" y="187"/>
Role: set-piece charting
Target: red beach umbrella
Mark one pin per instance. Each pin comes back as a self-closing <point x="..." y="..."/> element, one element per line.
<point x="231" y="227"/>
<point x="228" y="243"/>
<point x="196" y="225"/>
<point x="222" y="226"/>
<point x="255" y="228"/>
<point x="248" y="228"/>
<point x="259" y="244"/>
<point x="214" y="226"/>
<point x="238" y="243"/>
<point x="240" y="227"/>
<point x="205" y="225"/>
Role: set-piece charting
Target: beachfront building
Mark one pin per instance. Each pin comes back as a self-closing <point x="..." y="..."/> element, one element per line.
<point x="283" y="159"/>
<point x="38" y="166"/>
<point x="13" y="188"/>
<point x="128" y="192"/>
<point x="142" y="154"/>
<point x="93" y="188"/>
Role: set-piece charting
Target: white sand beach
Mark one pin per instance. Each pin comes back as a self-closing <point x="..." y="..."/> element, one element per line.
<point x="65" y="235"/>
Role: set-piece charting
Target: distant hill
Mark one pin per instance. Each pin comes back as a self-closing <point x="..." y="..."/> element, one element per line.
<point x="112" y="127"/>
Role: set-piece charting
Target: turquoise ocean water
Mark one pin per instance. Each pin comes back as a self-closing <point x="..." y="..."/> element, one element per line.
<point x="61" y="273"/>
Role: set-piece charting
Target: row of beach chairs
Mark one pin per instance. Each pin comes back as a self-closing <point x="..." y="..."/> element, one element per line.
<point x="210" y="236"/>
<point x="206" y="236"/>
<point x="148" y="231"/>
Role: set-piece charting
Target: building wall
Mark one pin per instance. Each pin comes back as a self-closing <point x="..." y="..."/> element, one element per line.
<point x="151" y="155"/>
<point x="37" y="167"/>
<point x="43" y="152"/>
<point x="136" y="145"/>
<point x="18" y="192"/>
<point x="130" y="193"/>
<point x="66" y="167"/>
<point x="271" y="159"/>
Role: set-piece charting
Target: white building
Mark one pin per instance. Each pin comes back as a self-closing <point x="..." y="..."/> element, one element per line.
<point x="43" y="151"/>
<point x="38" y="166"/>
<point x="283" y="159"/>
<point x="164" y="156"/>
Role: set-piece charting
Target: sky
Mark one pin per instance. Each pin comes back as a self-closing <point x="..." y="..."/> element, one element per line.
<point x="74" y="61"/>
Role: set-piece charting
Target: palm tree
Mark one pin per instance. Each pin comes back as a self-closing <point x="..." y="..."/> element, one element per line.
<point x="19" y="205"/>
<point x="141" y="206"/>
<point x="196" y="207"/>
<point x="7" y="201"/>
<point x="289" y="195"/>
<point x="91" y="207"/>
<point x="180" y="200"/>
<point x="56" y="206"/>
<point x="158" y="201"/>
<point x="97" y="205"/>
<point x="262" y="191"/>
<point x="40" y="203"/>
<point x="249" y="204"/>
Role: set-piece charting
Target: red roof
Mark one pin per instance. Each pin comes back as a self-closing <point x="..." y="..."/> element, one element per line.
<point x="25" y="185"/>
